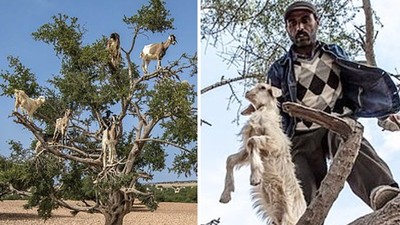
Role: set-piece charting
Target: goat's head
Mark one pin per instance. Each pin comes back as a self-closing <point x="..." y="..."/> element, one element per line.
<point x="42" y="99"/>
<point x="114" y="36"/>
<point x="19" y="92"/>
<point x="172" y="39"/>
<point x="68" y="112"/>
<point x="261" y="95"/>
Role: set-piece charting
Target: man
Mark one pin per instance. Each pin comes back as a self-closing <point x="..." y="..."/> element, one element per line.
<point x="320" y="76"/>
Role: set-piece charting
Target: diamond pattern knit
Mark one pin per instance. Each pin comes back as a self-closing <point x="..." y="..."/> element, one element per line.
<point x="318" y="84"/>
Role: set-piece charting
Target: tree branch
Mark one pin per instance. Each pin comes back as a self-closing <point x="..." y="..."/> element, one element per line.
<point x="166" y="142"/>
<point x="387" y="215"/>
<point x="224" y="82"/>
<point x="76" y="209"/>
<point x="342" y="163"/>
<point x="51" y="148"/>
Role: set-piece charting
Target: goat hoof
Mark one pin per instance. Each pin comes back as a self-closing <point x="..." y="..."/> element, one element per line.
<point x="255" y="181"/>
<point x="225" y="198"/>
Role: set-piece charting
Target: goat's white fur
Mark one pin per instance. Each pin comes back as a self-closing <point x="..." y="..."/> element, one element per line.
<point x="276" y="192"/>
<point x="27" y="104"/>
<point x="109" y="143"/>
<point x="155" y="52"/>
<point x="61" y="125"/>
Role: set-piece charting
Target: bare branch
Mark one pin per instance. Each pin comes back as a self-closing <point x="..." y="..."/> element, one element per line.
<point x="224" y="82"/>
<point x="165" y="142"/>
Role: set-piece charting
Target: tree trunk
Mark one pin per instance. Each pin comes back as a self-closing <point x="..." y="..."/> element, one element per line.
<point x="114" y="218"/>
<point x="116" y="209"/>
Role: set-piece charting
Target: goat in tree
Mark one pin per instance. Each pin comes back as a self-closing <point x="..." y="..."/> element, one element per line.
<point x="109" y="141"/>
<point x="27" y="104"/>
<point x="113" y="45"/>
<point x="156" y="52"/>
<point x="61" y="126"/>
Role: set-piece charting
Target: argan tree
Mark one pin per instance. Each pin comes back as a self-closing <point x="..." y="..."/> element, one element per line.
<point x="250" y="36"/>
<point x="151" y="112"/>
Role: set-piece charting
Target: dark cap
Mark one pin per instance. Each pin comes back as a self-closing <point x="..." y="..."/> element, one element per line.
<point x="298" y="6"/>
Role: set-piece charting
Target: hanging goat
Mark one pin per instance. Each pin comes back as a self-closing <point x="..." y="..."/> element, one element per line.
<point x="113" y="46"/>
<point x="61" y="126"/>
<point x="276" y="192"/>
<point x="109" y="142"/>
<point x="28" y="105"/>
<point x="155" y="52"/>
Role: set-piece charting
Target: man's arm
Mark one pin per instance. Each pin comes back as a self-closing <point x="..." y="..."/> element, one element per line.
<point x="390" y="123"/>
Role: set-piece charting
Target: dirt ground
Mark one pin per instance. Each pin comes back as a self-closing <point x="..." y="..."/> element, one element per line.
<point x="12" y="213"/>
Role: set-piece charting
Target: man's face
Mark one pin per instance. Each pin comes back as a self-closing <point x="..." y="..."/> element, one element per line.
<point x="302" y="26"/>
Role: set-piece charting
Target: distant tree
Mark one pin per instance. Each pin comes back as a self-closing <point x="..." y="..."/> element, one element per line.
<point x="153" y="111"/>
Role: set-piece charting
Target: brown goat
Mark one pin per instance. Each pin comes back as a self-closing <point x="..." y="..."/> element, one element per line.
<point x="156" y="52"/>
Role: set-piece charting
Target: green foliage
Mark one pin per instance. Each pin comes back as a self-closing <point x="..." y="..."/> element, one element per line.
<point x="187" y="195"/>
<point x="21" y="78"/>
<point x="64" y="34"/>
<point x="76" y="183"/>
<point x="152" y="157"/>
<point x="15" y="171"/>
<point x="152" y="17"/>
<point x="185" y="162"/>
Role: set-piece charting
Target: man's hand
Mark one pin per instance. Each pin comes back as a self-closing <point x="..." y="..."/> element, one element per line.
<point x="391" y="123"/>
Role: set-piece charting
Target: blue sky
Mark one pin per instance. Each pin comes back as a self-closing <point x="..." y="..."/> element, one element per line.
<point x="221" y="140"/>
<point x="20" y="18"/>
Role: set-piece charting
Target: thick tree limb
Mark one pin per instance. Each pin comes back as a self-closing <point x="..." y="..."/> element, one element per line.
<point x="334" y="123"/>
<point x="52" y="148"/>
<point x="388" y="215"/>
<point x="75" y="209"/>
<point x="342" y="162"/>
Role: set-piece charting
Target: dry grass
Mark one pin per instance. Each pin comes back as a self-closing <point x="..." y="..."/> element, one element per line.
<point x="12" y="213"/>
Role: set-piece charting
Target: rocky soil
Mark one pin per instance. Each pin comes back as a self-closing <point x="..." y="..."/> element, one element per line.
<point x="13" y="213"/>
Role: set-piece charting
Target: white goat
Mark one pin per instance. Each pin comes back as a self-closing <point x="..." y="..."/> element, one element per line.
<point x="61" y="126"/>
<point x="155" y="52"/>
<point x="27" y="104"/>
<point x="276" y="192"/>
<point x="109" y="142"/>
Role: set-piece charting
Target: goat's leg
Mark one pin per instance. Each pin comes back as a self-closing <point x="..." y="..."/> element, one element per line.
<point x="279" y="202"/>
<point x="111" y="153"/>
<point x="144" y="66"/>
<point x="254" y="144"/>
<point x="16" y="105"/>
<point x="232" y="161"/>
<point x="158" y="64"/>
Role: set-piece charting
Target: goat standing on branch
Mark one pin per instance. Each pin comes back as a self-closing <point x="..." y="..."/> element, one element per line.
<point x="27" y="104"/>
<point x="277" y="193"/>
<point x="113" y="45"/>
<point x="109" y="142"/>
<point x="61" y="126"/>
<point x="155" y="52"/>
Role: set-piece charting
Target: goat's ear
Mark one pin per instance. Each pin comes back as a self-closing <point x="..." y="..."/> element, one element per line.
<point x="249" y="110"/>
<point x="276" y="92"/>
